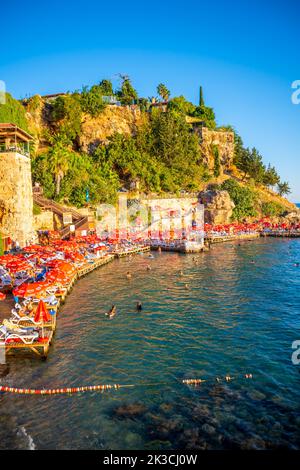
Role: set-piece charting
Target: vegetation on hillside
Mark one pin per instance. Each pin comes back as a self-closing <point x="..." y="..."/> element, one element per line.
<point x="163" y="155"/>
<point x="13" y="111"/>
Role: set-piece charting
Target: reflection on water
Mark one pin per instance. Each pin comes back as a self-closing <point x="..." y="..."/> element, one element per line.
<point x="236" y="316"/>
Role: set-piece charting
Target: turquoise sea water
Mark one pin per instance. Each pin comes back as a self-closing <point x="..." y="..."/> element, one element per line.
<point x="236" y="316"/>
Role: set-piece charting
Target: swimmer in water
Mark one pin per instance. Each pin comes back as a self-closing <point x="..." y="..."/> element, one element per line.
<point x="128" y="275"/>
<point x="139" y="306"/>
<point x="186" y="287"/>
<point x="112" y="312"/>
<point x="148" y="267"/>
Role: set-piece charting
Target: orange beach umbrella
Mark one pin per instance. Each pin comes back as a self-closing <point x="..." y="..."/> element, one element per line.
<point x="28" y="290"/>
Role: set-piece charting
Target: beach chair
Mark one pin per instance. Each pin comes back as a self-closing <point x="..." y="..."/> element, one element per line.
<point x="17" y="320"/>
<point x="18" y="335"/>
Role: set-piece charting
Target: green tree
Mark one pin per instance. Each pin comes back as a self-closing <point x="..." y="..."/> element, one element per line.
<point x="127" y="94"/>
<point x="60" y="158"/>
<point x="91" y="100"/>
<point x="163" y="91"/>
<point x="106" y="87"/>
<point x="201" y="99"/>
<point x="67" y="111"/>
<point x="271" y="177"/>
<point x="181" y="105"/>
<point x="207" y="115"/>
<point x="283" y="188"/>
<point x="250" y="162"/>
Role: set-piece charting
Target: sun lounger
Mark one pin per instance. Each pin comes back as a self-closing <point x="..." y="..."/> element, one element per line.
<point x="18" y="335"/>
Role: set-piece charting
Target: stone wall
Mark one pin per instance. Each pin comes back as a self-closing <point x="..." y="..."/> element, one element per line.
<point x="16" y="218"/>
<point x="223" y="140"/>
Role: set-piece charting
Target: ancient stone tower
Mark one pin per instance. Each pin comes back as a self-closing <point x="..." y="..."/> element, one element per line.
<point x="16" y="203"/>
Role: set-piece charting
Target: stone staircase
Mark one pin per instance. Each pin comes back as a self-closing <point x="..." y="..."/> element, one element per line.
<point x="78" y="220"/>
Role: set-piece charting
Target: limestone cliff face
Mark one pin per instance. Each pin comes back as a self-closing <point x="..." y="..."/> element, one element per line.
<point x="114" y="119"/>
<point x="218" y="206"/>
<point x="94" y="130"/>
<point x="223" y="141"/>
<point x="16" y="219"/>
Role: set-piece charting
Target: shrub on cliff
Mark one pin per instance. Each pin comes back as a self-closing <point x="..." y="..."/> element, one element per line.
<point x="206" y="115"/>
<point x="244" y="199"/>
<point x="67" y="111"/>
<point x="91" y="100"/>
<point x="272" y="209"/>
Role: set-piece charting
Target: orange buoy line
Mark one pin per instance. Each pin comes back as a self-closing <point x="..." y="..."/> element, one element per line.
<point x="93" y="388"/>
<point x="55" y="391"/>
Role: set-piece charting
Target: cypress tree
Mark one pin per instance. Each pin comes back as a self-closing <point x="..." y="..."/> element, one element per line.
<point x="201" y="99"/>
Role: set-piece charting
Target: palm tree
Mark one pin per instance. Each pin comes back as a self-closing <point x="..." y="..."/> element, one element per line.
<point x="163" y="91"/>
<point x="60" y="160"/>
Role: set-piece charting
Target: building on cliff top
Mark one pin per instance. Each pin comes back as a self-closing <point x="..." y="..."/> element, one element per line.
<point x="16" y="202"/>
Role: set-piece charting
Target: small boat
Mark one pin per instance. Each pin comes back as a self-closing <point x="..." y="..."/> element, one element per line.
<point x="112" y="312"/>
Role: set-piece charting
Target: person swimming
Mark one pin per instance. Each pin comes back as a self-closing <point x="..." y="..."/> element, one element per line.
<point x="128" y="275"/>
<point x="139" y="306"/>
<point x="111" y="313"/>
<point x="148" y="267"/>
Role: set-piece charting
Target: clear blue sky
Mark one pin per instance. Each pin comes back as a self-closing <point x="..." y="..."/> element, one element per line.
<point x="244" y="53"/>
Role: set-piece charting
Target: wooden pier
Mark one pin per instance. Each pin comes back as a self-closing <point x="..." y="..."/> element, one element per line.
<point x="281" y="234"/>
<point x="89" y="267"/>
<point x="122" y="254"/>
<point x="229" y="238"/>
<point x="40" y="348"/>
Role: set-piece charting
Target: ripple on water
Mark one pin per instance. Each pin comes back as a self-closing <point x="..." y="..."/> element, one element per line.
<point x="234" y="317"/>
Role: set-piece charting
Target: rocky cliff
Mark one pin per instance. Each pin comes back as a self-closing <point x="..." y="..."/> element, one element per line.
<point x="218" y="206"/>
<point x="223" y="141"/>
<point x="114" y="119"/>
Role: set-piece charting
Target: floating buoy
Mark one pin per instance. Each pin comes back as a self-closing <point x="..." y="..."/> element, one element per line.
<point x="102" y="388"/>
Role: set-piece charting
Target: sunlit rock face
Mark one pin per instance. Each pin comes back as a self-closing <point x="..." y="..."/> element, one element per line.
<point x="218" y="206"/>
<point x="223" y="141"/>
<point x="16" y="219"/>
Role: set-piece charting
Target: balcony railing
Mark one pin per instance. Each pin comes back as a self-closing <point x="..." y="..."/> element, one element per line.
<point x="18" y="148"/>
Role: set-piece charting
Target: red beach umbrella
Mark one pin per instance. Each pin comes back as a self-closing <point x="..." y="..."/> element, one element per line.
<point x="2" y="296"/>
<point x="42" y="313"/>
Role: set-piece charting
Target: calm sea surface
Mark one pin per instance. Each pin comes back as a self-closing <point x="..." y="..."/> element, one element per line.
<point x="239" y="314"/>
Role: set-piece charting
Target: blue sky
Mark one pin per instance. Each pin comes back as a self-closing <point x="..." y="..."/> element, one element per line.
<point x="245" y="54"/>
